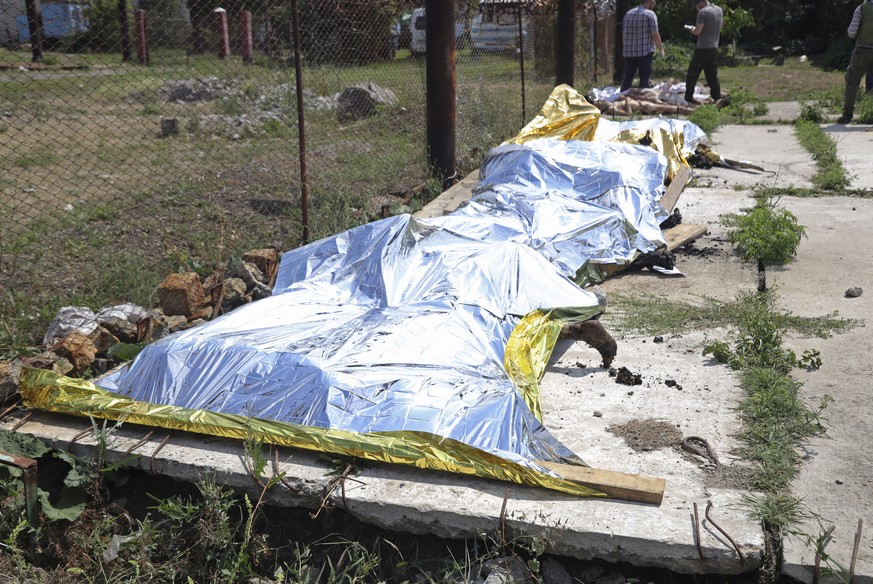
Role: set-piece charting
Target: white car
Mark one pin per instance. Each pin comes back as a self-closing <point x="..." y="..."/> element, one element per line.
<point x="418" y="27"/>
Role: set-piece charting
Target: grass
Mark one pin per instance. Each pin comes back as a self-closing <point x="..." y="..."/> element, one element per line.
<point x="744" y="107"/>
<point x="830" y="175"/>
<point x="92" y="191"/>
<point x="807" y="192"/>
<point x="133" y="527"/>
<point x="775" y="421"/>
<point x="659" y="316"/>
<point x="198" y="201"/>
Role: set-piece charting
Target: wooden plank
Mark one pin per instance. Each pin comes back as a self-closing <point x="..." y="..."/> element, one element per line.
<point x="682" y="234"/>
<point x="618" y="485"/>
<point x="671" y="195"/>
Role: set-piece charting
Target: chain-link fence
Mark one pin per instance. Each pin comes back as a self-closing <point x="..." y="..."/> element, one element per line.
<point x="161" y="135"/>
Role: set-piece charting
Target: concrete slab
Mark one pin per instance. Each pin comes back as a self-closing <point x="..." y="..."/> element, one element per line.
<point x="417" y="501"/>
<point x="785" y="112"/>
<point x="854" y="143"/>
<point x="774" y="148"/>
<point x="836" y="480"/>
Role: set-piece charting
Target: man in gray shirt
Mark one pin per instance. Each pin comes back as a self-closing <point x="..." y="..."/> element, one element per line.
<point x="860" y="29"/>
<point x="707" y="29"/>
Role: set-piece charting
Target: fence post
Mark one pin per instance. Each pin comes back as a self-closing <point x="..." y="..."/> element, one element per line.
<point x="124" y="28"/>
<point x="245" y="34"/>
<point x="142" y="39"/>
<point x="221" y="32"/>
<point x="521" y="66"/>
<point x="566" y="57"/>
<point x="301" y="121"/>
<point x="621" y="8"/>
<point x="440" y="88"/>
<point x="34" y="26"/>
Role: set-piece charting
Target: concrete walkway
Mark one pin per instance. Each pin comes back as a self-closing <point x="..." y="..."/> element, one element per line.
<point x="854" y="144"/>
<point x="836" y="478"/>
<point x="682" y="395"/>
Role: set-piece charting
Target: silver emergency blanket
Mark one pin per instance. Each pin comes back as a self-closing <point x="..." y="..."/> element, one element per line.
<point x="574" y="202"/>
<point x="392" y="326"/>
<point x="402" y="325"/>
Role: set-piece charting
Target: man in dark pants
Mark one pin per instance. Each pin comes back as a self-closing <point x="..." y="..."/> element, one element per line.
<point x="707" y="29"/>
<point x="860" y="29"/>
<point x="640" y="37"/>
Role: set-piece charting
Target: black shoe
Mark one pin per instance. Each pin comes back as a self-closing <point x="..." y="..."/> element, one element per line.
<point x="692" y="101"/>
<point x="844" y="119"/>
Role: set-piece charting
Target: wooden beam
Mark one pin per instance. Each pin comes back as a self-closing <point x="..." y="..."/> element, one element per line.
<point x="671" y="195"/>
<point x="452" y="198"/>
<point x="618" y="485"/>
<point x="682" y="234"/>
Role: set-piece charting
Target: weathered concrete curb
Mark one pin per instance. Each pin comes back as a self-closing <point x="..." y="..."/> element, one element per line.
<point x="446" y="505"/>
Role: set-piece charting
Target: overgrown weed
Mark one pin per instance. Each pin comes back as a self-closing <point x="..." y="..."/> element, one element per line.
<point x="831" y="174"/>
<point x="212" y="533"/>
<point x="652" y="316"/>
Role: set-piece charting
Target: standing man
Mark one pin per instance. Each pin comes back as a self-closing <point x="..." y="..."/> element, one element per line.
<point x="860" y="29"/>
<point x="707" y="30"/>
<point x="640" y="36"/>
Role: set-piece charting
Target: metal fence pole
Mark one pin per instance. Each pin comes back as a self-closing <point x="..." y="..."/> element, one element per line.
<point x="565" y="60"/>
<point x="222" y="32"/>
<point x="441" y="89"/>
<point x="621" y="8"/>
<point x="34" y="25"/>
<point x="521" y="67"/>
<point x="301" y="122"/>
<point x="29" y="479"/>
<point x="594" y="40"/>
<point x="245" y="34"/>
<point x="124" y="29"/>
<point x="142" y="39"/>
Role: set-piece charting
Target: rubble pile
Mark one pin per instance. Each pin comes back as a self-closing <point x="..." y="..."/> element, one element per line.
<point x="81" y="342"/>
<point x="261" y="108"/>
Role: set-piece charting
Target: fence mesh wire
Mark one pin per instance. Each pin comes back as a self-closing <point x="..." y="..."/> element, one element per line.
<point x="137" y="139"/>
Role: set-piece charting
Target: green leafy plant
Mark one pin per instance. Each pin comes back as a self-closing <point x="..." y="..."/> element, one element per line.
<point x="767" y="235"/>
<point x="810" y="360"/>
<point x="736" y="19"/>
<point x="812" y="112"/>
<point x="758" y="341"/>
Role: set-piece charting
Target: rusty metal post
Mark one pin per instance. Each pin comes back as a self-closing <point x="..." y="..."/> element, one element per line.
<point x="595" y="49"/>
<point x="440" y="89"/>
<point x="245" y="36"/>
<point x="301" y="122"/>
<point x="34" y="27"/>
<point x="28" y="465"/>
<point x="565" y="60"/>
<point x="621" y="8"/>
<point x="222" y="32"/>
<point x="142" y="39"/>
<point x="521" y="66"/>
<point x="124" y="29"/>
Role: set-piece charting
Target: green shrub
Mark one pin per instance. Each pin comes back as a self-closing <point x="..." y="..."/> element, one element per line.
<point x="765" y="234"/>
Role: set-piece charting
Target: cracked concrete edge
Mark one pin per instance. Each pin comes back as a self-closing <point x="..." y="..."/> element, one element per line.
<point x="428" y="502"/>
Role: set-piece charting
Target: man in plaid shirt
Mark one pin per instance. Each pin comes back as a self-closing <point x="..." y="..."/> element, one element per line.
<point x="640" y="36"/>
